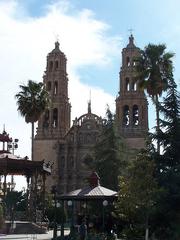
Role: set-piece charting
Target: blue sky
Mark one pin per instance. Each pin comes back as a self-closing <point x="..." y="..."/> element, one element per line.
<point x="151" y="21"/>
<point x="92" y="34"/>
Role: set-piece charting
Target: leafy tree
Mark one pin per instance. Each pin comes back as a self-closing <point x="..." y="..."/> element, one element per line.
<point x="168" y="166"/>
<point x="32" y="101"/>
<point x="1" y="216"/>
<point x="108" y="154"/>
<point x="154" y="69"/>
<point x="22" y="204"/>
<point x="136" y="199"/>
<point x="59" y="212"/>
<point x="12" y="200"/>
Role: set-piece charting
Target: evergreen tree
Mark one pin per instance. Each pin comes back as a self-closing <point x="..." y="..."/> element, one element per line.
<point x="109" y="154"/>
<point x="168" y="166"/>
<point x="137" y="196"/>
<point x="170" y="134"/>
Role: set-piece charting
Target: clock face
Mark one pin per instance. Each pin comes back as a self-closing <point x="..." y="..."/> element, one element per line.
<point x="88" y="126"/>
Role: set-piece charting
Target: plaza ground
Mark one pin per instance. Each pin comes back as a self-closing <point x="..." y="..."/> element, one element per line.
<point x="46" y="236"/>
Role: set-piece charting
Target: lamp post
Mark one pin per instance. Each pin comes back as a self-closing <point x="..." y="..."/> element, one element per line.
<point x="54" y="193"/>
<point x="105" y="203"/>
<point x="70" y="204"/>
<point x="1" y="196"/>
<point x="62" y="220"/>
<point x="13" y="145"/>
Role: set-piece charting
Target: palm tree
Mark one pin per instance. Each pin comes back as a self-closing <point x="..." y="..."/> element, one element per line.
<point x="32" y="101"/>
<point x="154" y="69"/>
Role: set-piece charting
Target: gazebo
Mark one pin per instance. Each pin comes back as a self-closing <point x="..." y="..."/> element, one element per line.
<point x="93" y="192"/>
<point x="14" y="165"/>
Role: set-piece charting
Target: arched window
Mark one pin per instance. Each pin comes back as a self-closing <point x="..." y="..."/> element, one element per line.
<point x="48" y="86"/>
<point x="55" y="118"/>
<point x="62" y="162"/>
<point x="71" y="161"/>
<point x="126" y="115"/>
<point x="80" y="138"/>
<point x="134" y="86"/>
<point x="135" y="115"/>
<point x="51" y="66"/>
<point x="56" y="65"/>
<point x="55" y="88"/>
<point x="88" y="138"/>
<point x="127" y="84"/>
<point x="128" y="61"/>
<point x="46" y="119"/>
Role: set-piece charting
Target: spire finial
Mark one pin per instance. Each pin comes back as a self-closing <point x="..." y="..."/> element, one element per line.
<point x="57" y="41"/>
<point x="4" y="129"/>
<point x="94" y="180"/>
<point x="57" y="45"/>
<point x="131" y="39"/>
<point x="89" y="103"/>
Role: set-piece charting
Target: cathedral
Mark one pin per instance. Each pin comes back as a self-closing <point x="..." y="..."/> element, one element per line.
<point x="69" y="149"/>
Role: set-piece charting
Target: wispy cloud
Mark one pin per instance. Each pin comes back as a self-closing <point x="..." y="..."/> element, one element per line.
<point x="24" y="44"/>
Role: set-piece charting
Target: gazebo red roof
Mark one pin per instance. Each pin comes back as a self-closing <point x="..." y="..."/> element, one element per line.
<point x="89" y="192"/>
<point x="93" y="191"/>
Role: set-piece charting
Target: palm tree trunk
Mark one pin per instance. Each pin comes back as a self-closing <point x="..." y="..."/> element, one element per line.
<point x="32" y="141"/>
<point x="157" y="123"/>
<point x="147" y="227"/>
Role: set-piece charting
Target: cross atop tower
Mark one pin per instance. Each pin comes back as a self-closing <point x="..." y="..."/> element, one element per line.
<point x="131" y="31"/>
<point x="89" y="103"/>
<point x="57" y="37"/>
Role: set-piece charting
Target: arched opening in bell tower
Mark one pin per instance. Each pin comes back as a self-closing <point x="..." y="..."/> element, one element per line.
<point x="51" y="66"/>
<point x="46" y="119"/>
<point x="48" y="86"/>
<point x="55" y="88"/>
<point x="134" y="85"/>
<point x="127" y="84"/>
<point x="128" y="61"/>
<point x="126" y="115"/>
<point x="55" y="118"/>
<point x="135" y="115"/>
<point x="56" y="65"/>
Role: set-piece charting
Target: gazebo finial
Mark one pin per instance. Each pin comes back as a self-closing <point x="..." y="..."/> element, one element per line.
<point x="94" y="179"/>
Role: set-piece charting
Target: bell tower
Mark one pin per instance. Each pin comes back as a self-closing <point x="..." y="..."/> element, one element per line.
<point x="55" y="122"/>
<point x="131" y="103"/>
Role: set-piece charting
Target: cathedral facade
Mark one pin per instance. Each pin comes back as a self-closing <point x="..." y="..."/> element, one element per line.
<point x="69" y="149"/>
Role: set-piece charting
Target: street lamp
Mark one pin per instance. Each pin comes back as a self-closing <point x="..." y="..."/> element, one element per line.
<point x="54" y="193"/>
<point x="105" y="203"/>
<point x="13" y="145"/>
<point x="70" y="204"/>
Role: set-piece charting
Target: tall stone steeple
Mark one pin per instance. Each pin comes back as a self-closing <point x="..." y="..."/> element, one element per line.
<point x="131" y="103"/>
<point x="56" y="121"/>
